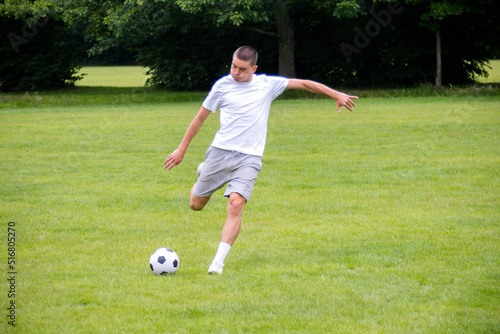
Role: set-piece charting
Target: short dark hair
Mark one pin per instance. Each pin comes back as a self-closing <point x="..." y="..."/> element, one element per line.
<point x="247" y="53"/>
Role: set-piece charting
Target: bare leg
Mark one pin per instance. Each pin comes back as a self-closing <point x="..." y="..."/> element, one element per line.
<point x="233" y="223"/>
<point x="197" y="203"/>
<point x="229" y="232"/>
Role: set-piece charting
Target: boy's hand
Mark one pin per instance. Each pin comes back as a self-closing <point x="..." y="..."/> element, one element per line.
<point x="173" y="159"/>
<point x="344" y="100"/>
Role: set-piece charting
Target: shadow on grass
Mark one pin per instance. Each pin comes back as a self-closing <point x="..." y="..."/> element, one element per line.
<point x="96" y="95"/>
<point x="92" y="95"/>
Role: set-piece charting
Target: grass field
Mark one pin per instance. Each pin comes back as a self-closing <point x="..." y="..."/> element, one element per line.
<point x="134" y="76"/>
<point x="384" y="220"/>
<point x="494" y="73"/>
<point x="114" y="76"/>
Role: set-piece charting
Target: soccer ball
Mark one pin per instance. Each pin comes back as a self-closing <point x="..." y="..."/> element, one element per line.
<point x="200" y="168"/>
<point x="164" y="261"/>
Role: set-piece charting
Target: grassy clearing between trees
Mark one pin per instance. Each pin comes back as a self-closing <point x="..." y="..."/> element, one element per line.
<point x="383" y="220"/>
<point x="113" y="76"/>
<point x="493" y="73"/>
<point x="125" y="84"/>
<point x="135" y="76"/>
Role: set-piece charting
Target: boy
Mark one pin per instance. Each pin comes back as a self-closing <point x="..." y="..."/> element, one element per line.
<point x="235" y="155"/>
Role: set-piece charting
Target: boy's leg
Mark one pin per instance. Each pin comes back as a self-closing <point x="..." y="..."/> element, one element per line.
<point x="233" y="222"/>
<point x="241" y="179"/>
<point x="229" y="232"/>
<point x="197" y="203"/>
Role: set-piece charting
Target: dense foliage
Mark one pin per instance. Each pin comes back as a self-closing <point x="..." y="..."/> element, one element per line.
<point x="401" y="53"/>
<point x="37" y="56"/>
<point x="187" y="45"/>
<point x="350" y="43"/>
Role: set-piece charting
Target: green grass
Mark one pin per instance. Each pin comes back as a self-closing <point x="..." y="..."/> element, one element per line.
<point x="493" y="73"/>
<point x="116" y="76"/>
<point x="134" y="76"/>
<point x="384" y="220"/>
<point x="91" y="96"/>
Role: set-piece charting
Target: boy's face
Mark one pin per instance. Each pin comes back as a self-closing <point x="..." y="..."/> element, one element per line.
<point x="242" y="71"/>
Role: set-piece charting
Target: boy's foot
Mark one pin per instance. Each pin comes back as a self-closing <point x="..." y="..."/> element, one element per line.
<point x="215" y="268"/>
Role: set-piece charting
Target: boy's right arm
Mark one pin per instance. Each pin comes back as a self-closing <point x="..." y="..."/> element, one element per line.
<point x="176" y="156"/>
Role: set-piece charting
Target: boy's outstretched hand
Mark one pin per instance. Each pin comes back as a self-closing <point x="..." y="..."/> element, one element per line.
<point x="173" y="159"/>
<point x="344" y="100"/>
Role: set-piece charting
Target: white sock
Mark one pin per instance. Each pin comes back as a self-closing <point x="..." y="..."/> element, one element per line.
<point x="222" y="252"/>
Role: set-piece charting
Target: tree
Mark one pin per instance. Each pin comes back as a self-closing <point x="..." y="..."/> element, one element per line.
<point x="38" y="52"/>
<point x="186" y="43"/>
<point x="177" y="46"/>
<point x="440" y="13"/>
<point x="278" y="12"/>
<point x="432" y="19"/>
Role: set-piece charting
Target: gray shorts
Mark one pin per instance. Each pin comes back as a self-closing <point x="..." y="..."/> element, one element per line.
<point x="237" y="169"/>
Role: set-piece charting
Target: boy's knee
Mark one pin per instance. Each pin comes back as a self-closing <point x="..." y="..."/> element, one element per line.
<point x="198" y="203"/>
<point x="194" y="205"/>
<point x="236" y="203"/>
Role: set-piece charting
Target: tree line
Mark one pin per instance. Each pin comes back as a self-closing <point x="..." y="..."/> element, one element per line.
<point x="187" y="44"/>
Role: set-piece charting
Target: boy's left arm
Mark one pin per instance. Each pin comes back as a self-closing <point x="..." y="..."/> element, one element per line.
<point x="343" y="100"/>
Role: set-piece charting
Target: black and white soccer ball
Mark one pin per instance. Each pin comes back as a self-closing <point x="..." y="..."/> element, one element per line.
<point x="164" y="261"/>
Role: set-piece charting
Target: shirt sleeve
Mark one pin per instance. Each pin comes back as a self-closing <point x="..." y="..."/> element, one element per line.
<point x="213" y="99"/>
<point x="279" y="85"/>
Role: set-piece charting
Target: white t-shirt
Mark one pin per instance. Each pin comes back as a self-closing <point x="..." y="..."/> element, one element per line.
<point x="244" y="110"/>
